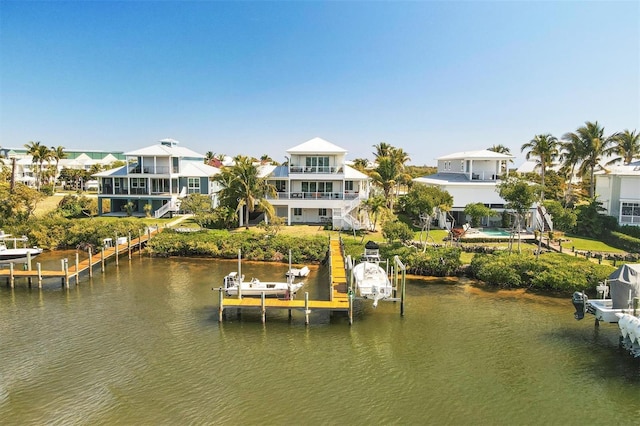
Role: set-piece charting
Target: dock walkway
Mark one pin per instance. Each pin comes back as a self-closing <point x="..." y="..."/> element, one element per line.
<point x="68" y="272"/>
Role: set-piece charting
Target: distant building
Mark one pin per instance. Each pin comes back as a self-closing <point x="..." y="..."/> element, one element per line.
<point x="473" y="177"/>
<point x="618" y="189"/>
<point x="158" y="175"/>
<point x="75" y="159"/>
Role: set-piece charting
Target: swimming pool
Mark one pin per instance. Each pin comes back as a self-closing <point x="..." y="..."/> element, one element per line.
<point x="490" y="233"/>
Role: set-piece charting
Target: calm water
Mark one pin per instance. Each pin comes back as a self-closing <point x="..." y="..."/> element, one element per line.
<point x="142" y="345"/>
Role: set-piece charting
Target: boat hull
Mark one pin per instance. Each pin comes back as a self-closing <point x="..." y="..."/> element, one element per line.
<point x="372" y="281"/>
<point x="18" y="255"/>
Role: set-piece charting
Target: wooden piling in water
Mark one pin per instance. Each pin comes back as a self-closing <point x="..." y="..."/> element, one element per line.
<point x="90" y="252"/>
<point x="102" y="260"/>
<point x="263" y="308"/>
<point x="77" y="268"/>
<point x="66" y="273"/>
<point x="39" y="268"/>
<point x="306" y="308"/>
<point x="129" y="244"/>
<point x="115" y="245"/>
<point x="12" y="278"/>
<point x="220" y="304"/>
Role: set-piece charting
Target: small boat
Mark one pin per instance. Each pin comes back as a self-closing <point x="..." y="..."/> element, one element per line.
<point x="255" y="287"/>
<point x="16" y="254"/>
<point x="371" y="280"/>
<point x="298" y="272"/>
<point x="623" y="285"/>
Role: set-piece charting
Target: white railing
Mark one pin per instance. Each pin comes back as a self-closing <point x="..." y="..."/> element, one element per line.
<point x="172" y="206"/>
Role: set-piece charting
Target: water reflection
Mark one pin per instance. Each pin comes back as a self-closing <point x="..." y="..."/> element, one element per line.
<point x="141" y="344"/>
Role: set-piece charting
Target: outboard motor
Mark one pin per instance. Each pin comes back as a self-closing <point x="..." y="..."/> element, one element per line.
<point x="579" y="301"/>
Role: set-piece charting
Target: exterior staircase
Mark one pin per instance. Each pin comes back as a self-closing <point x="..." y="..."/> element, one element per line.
<point x="344" y="215"/>
<point x="172" y="206"/>
<point x="544" y="220"/>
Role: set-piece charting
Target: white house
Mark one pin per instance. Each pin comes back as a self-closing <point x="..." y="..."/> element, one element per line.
<point x="317" y="186"/>
<point x="158" y="175"/>
<point x="618" y="189"/>
<point x="472" y="177"/>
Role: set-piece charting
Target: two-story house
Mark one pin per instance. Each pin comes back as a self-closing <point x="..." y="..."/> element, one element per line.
<point x="472" y="177"/>
<point x="618" y="189"/>
<point x="158" y="175"/>
<point x="316" y="186"/>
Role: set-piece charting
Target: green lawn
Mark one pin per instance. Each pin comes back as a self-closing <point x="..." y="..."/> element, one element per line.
<point x="588" y="244"/>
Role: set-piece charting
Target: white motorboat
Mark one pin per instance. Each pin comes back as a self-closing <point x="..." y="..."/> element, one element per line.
<point x="371" y="280"/>
<point x="624" y="286"/>
<point x="16" y="254"/>
<point x="234" y="282"/>
<point x="298" y="272"/>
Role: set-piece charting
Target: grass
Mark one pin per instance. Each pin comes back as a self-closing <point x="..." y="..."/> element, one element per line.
<point x="588" y="244"/>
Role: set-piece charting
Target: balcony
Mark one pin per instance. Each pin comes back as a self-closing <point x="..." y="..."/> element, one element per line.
<point x="149" y="170"/>
<point x="315" y="169"/>
<point x="314" y="196"/>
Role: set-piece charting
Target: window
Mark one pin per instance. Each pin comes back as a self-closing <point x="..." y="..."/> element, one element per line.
<point x="175" y="161"/>
<point x="317" y="164"/>
<point x="193" y="185"/>
<point x="317" y="186"/>
<point x="462" y="165"/>
<point x="281" y="185"/>
<point x="630" y="213"/>
<point x="297" y="211"/>
<point x="348" y="185"/>
<point x="322" y="212"/>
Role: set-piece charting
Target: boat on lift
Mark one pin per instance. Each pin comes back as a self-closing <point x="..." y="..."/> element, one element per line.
<point x="16" y="254"/>
<point x="371" y="280"/>
<point x="623" y="285"/>
<point x="234" y="283"/>
<point x="630" y="333"/>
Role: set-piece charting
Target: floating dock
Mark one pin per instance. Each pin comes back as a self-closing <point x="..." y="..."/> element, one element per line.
<point x="341" y="296"/>
<point x="68" y="272"/>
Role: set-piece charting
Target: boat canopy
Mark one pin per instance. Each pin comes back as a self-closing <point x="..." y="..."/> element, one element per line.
<point x="625" y="279"/>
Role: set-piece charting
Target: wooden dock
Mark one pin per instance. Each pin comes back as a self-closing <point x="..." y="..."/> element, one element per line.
<point x="69" y="272"/>
<point x="340" y="298"/>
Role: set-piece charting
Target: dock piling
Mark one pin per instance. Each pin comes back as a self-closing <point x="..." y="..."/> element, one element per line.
<point x="89" y="251"/>
<point x="102" y="260"/>
<point x="307" y="311"/>
<point x="39" y="268"/>
<point x="263" y="308"/>
<point x="12" y="278"/>
<point x="220" y="304"/>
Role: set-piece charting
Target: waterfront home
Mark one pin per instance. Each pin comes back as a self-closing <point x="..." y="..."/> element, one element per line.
<point x="473" y="177"/>
<point x="158" y="175"/>
<point x="618" y="189"/>
<point x="315" y="185"/>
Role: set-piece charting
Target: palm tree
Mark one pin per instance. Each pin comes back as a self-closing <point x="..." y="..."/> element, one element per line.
<point x="242" y="184"/>
<point x="266" y="159"/>
<point x="386" y="175"/>
<point x="591" y="146"/>
<point x="500" y="149"/>
<point x="208" y="156"/>
<point x="627" y="147"/>
<point x="360" y="164"/>
<point x="57" y="154"/>
<point x="383" y="149"/>
<point x="545" y="149"/>
<point x="374" y="206"/>
<point x="39" y="154"/>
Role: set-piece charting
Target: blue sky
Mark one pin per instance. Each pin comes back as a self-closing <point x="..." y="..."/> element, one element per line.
<point x="258" y="78"/>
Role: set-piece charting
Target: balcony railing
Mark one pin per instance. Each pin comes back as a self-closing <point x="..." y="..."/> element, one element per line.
<point x="315" y="169"/>
<point x="149" y="170"/>
<point x="315" y="196"/>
